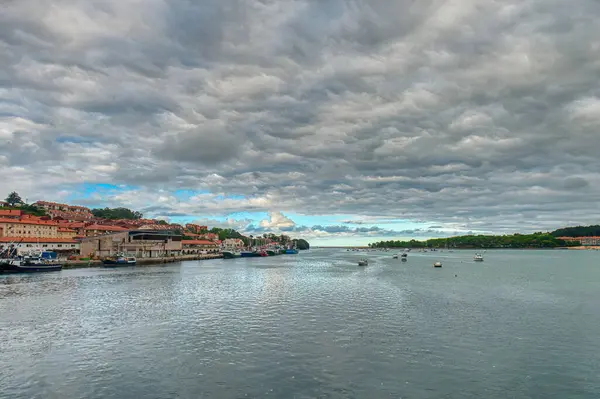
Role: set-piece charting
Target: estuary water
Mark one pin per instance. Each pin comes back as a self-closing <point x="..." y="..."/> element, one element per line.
<point x="522" y="324"/>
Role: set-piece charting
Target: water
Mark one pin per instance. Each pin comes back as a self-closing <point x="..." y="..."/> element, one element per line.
<point x="522" y="324"/>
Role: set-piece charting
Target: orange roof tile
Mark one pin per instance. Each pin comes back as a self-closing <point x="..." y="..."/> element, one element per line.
<point x="10" y="212"/>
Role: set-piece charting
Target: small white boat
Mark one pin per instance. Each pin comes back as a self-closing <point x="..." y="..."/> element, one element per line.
<point x="404" y="255"/>
<point x="131" y="260"/>
<point x="363" y="262"/>
<point x="395" y="256"/>
<point x="478" y="258"/>
<point x="437" y="264"/>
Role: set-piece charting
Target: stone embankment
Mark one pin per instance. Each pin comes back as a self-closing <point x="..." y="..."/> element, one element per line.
<point x="75" y="264"/>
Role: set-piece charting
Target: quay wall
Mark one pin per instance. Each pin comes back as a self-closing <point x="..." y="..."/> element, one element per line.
<point x="77" y="264"/>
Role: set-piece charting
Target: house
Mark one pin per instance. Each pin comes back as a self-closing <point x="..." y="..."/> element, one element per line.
<point x="11" y="214"/>
<point x="30" y="227"/>
<point x="195" y="228"/>
<point x="139" y="243"/>
<point x="232" y="243"/>
<point x="199" y="246"/>
<point x="71" y="213"/>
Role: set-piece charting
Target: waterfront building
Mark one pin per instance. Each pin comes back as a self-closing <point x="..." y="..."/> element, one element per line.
<point x="199" y="246"/>
<point x="139" y="243"/>
<point x="64" y="247"/>
<point x="232" y="244"/>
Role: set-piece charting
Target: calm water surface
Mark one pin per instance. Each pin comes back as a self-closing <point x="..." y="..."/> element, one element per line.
<point x="523" y="324"/>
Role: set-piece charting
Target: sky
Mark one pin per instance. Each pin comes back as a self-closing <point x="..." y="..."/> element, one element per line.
<point x="341" y="121"/>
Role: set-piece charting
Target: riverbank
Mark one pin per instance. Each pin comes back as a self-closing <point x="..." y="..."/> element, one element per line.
<point x="77" y="264"/>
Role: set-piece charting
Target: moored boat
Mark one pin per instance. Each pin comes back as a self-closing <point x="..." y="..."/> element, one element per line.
<point x="231" y="255"/>
<point x="291" y="251"/>
<point x="478" y="258"/>
<point x="249" y="254"/>
<point x="363" y="262"/>
<point x="42" y="262"/>
<point x="437" y="264"/>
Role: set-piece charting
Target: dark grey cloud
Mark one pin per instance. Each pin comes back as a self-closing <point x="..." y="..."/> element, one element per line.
<point x="475" y="115"/>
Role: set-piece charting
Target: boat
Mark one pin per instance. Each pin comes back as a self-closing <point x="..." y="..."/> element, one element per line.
<point x="131" y="260"/>
<point x="231" y="255"/>
<point x="478" y="258"/>
<point x="404" y="255"/>
<point x="363" y="262"/>
<point x="291" y="251"/>
<point x="249" y="254"/>
<point x="31" y="263"/>
<point x="395" y="256"/>
<point x="437" y="264"/>
<point x="118" y="260"/>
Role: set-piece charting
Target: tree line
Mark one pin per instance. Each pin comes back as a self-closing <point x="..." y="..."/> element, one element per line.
<point x="535" y="240"/>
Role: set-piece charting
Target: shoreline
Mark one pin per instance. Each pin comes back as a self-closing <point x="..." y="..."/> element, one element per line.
<point x="77" y="264"/>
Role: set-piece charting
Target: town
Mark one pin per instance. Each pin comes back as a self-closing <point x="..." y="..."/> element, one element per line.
<point x="79" y="233"/>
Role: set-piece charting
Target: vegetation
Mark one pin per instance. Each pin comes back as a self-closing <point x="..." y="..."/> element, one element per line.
<point x="14" y="199"/>
<point x="301" y="244"/>
<point x="117" y="213"/>
<point x="578" y="231"/>
<point x="535" y="240"/>
<point x="15" y="202"/>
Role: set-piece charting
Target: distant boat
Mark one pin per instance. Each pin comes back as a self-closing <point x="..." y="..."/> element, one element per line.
<point x="291" y="251"/>
<point x="395" y="256"/>
<point x="363" y="262"/>
<point x="437" y="264"/>
<point x="119" y="260"/>
<point x="131" y="260"/>
<point x="404" y="255"/>
<point x="478" y="258"/>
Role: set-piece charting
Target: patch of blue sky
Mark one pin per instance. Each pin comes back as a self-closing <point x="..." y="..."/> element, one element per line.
<point x="183" y="195"/>
<point x="91" y="190"/>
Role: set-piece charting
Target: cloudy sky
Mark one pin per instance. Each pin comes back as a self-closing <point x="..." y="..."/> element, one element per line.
<point x="345" y="121"/>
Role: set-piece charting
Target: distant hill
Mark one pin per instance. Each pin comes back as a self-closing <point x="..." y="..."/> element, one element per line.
<point x="577" y="231"/>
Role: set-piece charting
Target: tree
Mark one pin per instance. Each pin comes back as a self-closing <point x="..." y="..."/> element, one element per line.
<point x="117" y="213"/>
<point x="14" y="199"/>
<point x="302" y="244"/>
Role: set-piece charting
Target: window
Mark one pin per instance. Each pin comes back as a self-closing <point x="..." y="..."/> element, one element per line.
<point x="44" y="245"/>
<point x="59" y="245"/>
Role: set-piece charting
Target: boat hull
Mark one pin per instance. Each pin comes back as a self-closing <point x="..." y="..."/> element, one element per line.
<point x="110" y="262"/>
<point x="231" y="255"/>
<point x="249" y="255"/>
<point x="8" y="268"/>
<point x="291" y="251"/>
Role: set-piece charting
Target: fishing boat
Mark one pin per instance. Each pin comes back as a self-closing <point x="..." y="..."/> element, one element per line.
<point x="363" y="262"/>
<point x="249" y="254"/>
<point x="118" y="260"/>
<point x="31" y="263"/>
<point x="478" y="258"/>
<point x="231" y="255"/>
<point x="437" y="264"/>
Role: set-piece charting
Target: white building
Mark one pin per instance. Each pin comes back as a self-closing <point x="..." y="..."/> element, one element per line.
<point x="64" y="247"/>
